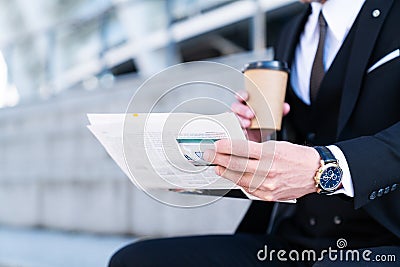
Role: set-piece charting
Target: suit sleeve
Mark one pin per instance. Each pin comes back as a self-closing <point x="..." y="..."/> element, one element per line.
<point x="374" y="163"/>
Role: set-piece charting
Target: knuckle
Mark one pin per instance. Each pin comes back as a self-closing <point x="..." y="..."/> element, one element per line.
<point x="271" y="196"/>
<point x="272" y="187"/>
<point x="268" y="186"/>
<point x="268" y="197"/>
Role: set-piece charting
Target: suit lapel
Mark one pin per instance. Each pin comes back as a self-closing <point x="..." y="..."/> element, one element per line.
<point x="366" y="34"/>
<point x="285" y="51"/>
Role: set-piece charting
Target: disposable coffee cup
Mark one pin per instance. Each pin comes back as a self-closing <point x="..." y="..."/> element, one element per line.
<point x="265" y="82"/>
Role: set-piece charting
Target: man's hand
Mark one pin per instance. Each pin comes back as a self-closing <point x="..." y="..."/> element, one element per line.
<point x="245" y="115"/>
<point x="271" y="171"/>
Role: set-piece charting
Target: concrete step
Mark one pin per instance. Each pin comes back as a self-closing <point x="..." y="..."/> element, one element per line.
<point x="22" y="247"/>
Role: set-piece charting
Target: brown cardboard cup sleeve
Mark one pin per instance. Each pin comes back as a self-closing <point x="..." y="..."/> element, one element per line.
<point x="265" y="82"/>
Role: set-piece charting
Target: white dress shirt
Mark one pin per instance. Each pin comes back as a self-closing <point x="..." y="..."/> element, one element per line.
<point x="340" y="16"/>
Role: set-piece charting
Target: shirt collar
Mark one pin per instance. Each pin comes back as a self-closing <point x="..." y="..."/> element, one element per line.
<point x="339" y="15"/>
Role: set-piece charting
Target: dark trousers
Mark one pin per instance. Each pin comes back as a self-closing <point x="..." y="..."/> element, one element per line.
<point x="238" y="250"/>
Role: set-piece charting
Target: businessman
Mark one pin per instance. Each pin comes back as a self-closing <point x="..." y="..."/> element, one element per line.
<point x="340" y="157"/>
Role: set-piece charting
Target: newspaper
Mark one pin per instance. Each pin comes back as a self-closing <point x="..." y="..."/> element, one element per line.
<point x="165" y="150"/>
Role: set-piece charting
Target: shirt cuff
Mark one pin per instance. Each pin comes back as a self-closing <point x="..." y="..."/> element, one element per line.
<point x="347" y="183"/>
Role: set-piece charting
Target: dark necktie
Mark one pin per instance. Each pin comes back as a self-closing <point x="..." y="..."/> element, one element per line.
<point x="317" y="71"/>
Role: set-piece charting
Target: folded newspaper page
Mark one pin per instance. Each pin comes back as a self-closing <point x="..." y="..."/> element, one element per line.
<point x="165" y="150"/>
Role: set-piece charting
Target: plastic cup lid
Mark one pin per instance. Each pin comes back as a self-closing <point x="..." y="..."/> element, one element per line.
<point x="270" y="64"/>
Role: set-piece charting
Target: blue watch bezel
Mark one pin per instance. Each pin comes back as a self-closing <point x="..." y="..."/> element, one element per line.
<point x="328" y="161"/>
<point x="337" y="184"/>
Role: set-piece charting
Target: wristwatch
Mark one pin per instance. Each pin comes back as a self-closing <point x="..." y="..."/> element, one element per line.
<point x="328" y="177"/>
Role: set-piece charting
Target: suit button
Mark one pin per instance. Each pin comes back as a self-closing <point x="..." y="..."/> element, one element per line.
<point x="337" y="220"/>
<point x="387" y="190"/>
<point x="376" y="13"/>
<point x="380" y="192"/>
<point x="312" y="221"/>
<point x="394" y="187"/>
<point x="372" y="196"/>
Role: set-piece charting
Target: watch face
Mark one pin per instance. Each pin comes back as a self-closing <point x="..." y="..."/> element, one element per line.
<point x="331" y="178"/>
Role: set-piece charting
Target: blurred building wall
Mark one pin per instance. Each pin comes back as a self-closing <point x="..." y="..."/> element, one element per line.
<point x="54" y="173"/>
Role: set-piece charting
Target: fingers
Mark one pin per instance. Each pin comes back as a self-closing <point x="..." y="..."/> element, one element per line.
<point x="244" y="123"/>
<point x="242" y="110"/>
<point x="247" y="180"/>
<point x="258" y="186"/>
<point x="233" y="163"/>
<point x="241" y="148"/>
<point x="252" y="184"/>
<point x="242" y="96"/>
<point x="286" y="109"/>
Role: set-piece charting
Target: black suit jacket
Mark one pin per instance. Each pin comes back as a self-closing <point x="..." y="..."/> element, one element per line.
<point x="366" y="124"/>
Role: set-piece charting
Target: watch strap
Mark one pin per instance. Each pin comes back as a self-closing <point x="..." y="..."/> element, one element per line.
<point x="325" y="154"/>
<point x="326" y="158"/>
